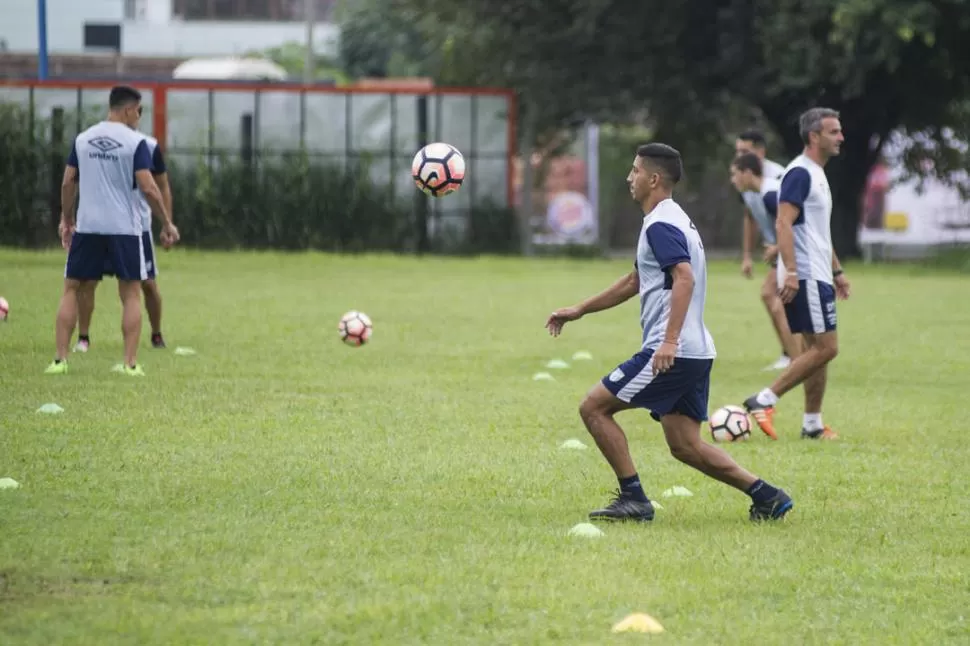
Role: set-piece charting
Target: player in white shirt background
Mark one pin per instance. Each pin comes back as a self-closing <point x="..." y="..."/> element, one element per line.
<point x="761" y="199"/>
<point x="754" y="142"/>
<point x="108" y="161"/>
<point x="153" y="297"/>
<point x="670" y="375"/>
<point x="810" y="277"/>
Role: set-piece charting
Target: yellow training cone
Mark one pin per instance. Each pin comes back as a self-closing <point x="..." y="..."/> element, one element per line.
<point x="639" y="623"/>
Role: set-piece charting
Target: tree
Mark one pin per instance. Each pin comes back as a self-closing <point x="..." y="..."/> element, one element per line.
<point x="291" y="56"/>
<point x="377" y="42"/>
<point x="884" y="64"/>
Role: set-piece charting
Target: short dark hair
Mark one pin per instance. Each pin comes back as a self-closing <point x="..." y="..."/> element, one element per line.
<point x="123" y="95"/>
<point x="749" y="161"/>
<point x="665" y="158"/>
<point x="756" y="137"/>
<point x="811" y="121"/>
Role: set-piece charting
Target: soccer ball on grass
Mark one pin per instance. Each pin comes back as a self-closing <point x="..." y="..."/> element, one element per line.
<point x="438" y="169"/>
<point x="355" y="328"/>
<point x="730" y="424"/>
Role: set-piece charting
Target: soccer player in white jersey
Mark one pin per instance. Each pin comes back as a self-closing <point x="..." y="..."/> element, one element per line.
<point x="809" y="276"/>
<point x="108" y="161"/>
<point x="153" y="297"/>
<point x="670" y="375"/>
<point x="761" y="197"/>
<point x="754" y="142"/>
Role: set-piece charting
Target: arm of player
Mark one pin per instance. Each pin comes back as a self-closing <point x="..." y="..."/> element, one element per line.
<point x="842" y="287"/>
<point x="619" y="292"/>
<point x="160" y="173"/>
<point x="152" y="193"/>
<point x="681" y="291"/>
<point x="749" y="237"/>
<point x="65" y="229"/>
<point x="166" y="190"/>
<point x="795" y="187"/>
<point x="787" y="214"/>
<point x="669" y="246"/>
<point x="145" y="181"/>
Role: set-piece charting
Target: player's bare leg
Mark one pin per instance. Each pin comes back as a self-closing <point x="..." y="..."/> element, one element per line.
<point x="812" y="426"/>
<point x="85" y="312"/>
<point x="819" y="350"/>
<point x="790" y="343"/>
<point x="597" y="411"/>
<point x="153" y="304"/>
<point x="683" y="435"/>
<point x="64" y="326"/>
<point x="130" y="293"/>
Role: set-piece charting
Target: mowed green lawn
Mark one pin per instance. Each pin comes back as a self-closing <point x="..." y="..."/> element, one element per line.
<point x="281" y="488"/>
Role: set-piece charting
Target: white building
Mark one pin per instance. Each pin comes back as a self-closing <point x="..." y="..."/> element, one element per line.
<point x="164" y="28"/>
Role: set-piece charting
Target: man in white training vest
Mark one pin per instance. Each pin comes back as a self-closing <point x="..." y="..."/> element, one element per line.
<point x="670" y="375"/>
<point x="810" y="276"/>
<point x="153" y="297"/>
<point x="108" y="161"/>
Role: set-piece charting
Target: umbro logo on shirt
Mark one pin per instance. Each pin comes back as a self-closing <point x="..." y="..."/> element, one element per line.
<point x="104" y="144"/>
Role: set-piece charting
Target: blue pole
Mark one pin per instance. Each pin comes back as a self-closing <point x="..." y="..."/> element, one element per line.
<point x="42" y="40"/>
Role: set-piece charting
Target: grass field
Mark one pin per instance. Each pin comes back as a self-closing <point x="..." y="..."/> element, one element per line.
<point x="280" y="488"/>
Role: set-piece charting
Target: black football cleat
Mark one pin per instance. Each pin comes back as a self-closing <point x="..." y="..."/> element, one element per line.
<point x="624" y="507"/>
<point x="774" y="509"/>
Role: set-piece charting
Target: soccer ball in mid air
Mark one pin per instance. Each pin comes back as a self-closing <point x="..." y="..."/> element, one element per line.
<point x="730" y="424"/>
<point x="4" y="308"/>
<point x="355" y="328"/>
<point x="438" y="169"/>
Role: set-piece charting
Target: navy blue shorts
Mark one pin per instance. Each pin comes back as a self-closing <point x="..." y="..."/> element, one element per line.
<point x="683" y="389"/>
<point x="148" y="247"/>
<point x="812" y="311"/>
<point x="91" y="253"/>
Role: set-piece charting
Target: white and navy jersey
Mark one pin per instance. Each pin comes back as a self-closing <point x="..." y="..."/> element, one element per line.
<point x="107" y="155"/>
<point x="806" y="187"/>
<point x="669" y="238"/>
<point x="763" y="206"/>
<point x="158" y="167"/>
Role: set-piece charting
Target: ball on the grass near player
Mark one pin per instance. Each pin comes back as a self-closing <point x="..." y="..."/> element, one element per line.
<point x="4" y="308"/>
<point x="355" y="328"/>
<point x="730" y="424"/>
<point x="438" y="169"/>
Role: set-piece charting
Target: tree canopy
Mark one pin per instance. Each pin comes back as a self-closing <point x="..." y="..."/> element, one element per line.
<point x="884" y="64"/>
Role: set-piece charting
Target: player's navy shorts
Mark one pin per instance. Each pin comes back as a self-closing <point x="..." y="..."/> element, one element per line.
<point x="92" y="253"/>
<point x="683" y="389"/>
<point x="148" y="246"/>
<point x="812" y="311"/>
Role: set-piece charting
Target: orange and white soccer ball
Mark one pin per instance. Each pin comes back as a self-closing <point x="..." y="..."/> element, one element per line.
<point x="730" y="424"/>
<point x="438" y="169"/>
<point x="355" y="328"/>
<point x="4" y="308"/>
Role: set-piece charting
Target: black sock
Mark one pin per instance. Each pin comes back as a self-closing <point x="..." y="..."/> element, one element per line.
<point x="83" y="337"/>
<point x="761" y="492"/>
<point x="631" y="486"/>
